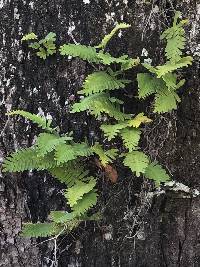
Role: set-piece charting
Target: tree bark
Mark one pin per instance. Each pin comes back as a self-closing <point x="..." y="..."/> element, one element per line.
<point x="140" y="227"/>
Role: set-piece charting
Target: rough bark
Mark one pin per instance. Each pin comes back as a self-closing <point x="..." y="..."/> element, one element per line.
<point x="139" y="228"/>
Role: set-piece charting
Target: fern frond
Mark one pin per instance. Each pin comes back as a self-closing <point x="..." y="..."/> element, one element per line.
<point x="165" y="101"/>
<point x="110" y="131"/>
<point x="176" y="40"/>
<point x="107" y="38"/>
<point x="40" y="229"/>
<point x="155" y="172"/>
<point x="24" y="159"/>
<point x="83" y="205"/>
<point x="76" y="192"/>
<point x="84" y="52"/>
<point x="69" y="173"/>
<point x="131" y="138"/>
<point x="169" y="67"/>
<point x="137" y="161"/>
<point x="100" y="81"/>
<point x="39" y="120"/>
<point x="105" y="156"/>
<point x="129" y="63"/>
<point x="147" y="84"/>
<point x="138" y="120"/>
<point x="98" y="104"/>
<point x="29" y="36"/>
<point x="47" y="142"/>
<point x="61" y="216"/>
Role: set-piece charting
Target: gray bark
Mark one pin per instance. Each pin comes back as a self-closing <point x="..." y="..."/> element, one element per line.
<point x="140" y="228"/>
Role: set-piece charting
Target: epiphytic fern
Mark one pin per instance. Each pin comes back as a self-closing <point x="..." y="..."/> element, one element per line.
<point x="155" y="172"/>
<point x="137" y="161"/>
<point x="98" y="104"/>
<point x="101" y="81"/>
<point x="131" y="138"/>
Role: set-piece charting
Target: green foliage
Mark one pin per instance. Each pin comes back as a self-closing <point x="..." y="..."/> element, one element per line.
<point x="100" y="81"/>
<point x="137" y="161"/>
<point x="39" y="120"/>
<point x="155" y="172"/>
<point x="64" y="159"/>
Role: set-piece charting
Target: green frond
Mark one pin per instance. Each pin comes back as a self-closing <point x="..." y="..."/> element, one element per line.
<point x="98" y="104"/>
<point x="29" y="36"/>
<point x="40" y="229"/>
<point x="137" y="161"/>
<point x="24" y="159"/>
<point x="147" y="84"/>
<point x="107" y="59"/>
<point x="84" y="52"/>
<point x="155" y="172"/>
<point x="176" y="40"/>
<point x="165" y="101"/>
<point x="138" y="120"/>
<point x="100" y="81"/>
<point x="129" y="63"/>
<point x="76" y="192"/>
<point x="69" y="172"/>
<point x="131" y="138"/>
<point x="39" y="120"/>
<point x="61" y="216"/>
<point x="169" y="67"/>
<point x="110" y="131"/>
<point x="83" y="205"/>
<point x="105" y="156"/>
<point x="47" y="142"/>
<point x="107" y="38"/>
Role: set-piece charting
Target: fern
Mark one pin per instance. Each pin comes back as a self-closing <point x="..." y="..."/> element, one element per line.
<point x="176" y="40"/>
<point x="110" y="131"/>
<point x="77" y="191"/>
<point x="165" y="101"/>
<point x="69" y="172"/>
<point x="138" y="120"/>
<point x="61" y="216"/>
<point x="147" y="84"/>
<point x="107" y="38"/>
<point x="40" y="229"/>
<point x="101" y="81"/>
<point x="137" y="161"/>
<point x="104" y="156"/>
<point x="29" y="36"/>
<point x="47" y="142"/>
<point x="131" y="138"/>
<point x="155" y="172"/>
<point x="84" y="52"/>
<point x="40" y="121"/>
<point x="83" y="205"/>
<point x="98" y="104"/>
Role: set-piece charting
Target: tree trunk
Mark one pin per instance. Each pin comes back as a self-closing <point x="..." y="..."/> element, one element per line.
<point x="140" y="227"/>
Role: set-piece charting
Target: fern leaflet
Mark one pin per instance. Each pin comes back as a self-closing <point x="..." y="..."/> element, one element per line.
<point x="104" y="156"/>
<point x="40" y="229"/>
<point x="110" y="131"/>
<point x="131" y="138"/>
<point x="155" y="172"/>
<point x="137" y="161"/>
<point x="138" y="120"/>
<point x="29" y="36"/>
<point x="165" y="101"/>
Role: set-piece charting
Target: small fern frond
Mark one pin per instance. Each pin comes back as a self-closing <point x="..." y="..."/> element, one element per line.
<point x="137" y="161"/>
<point x="110" y="131"/>
<point x="155" y="172"/>
<point x="83" y="205"/>
<point x="169" y="67"/>
<point x="98" y="104"/>
<point x="29" y="36"/>
<point x="107" y="38"/>
<point x="84" y="52"/>
<point x="47" y="142"/>
<point x="40" y="229"/>
<point x="39" y="120"/>
<point x="138" y="120"/>
<point x="165" y="101"/>
<point x="147" y="84"/>
<point x="61" y="216"/>
<point x="69" y="173"/>
<point x="131" y="138"/>
<point x="100" y="81"/>
<point x="105" y="156"/>
<point x="176" y="40"/>
<point x="76" y="192"/>
<point x="24" y="159"/>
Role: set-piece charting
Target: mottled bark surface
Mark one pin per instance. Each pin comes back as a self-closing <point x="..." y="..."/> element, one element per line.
<point x="139" y="228"/>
